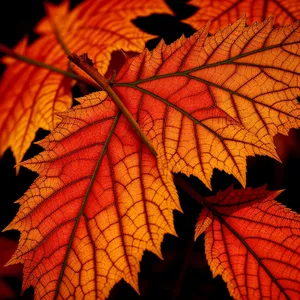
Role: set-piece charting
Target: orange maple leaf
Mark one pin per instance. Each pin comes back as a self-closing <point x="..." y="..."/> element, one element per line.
<point x="253" y="242"/>
<point x="102" y="199"/>
<point x="222" y="13"/>
<point x="31" y="96"/>
<point x="208" y="102"/>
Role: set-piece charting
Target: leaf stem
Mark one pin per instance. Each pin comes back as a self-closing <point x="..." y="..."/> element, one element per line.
<point x="6" y="50"/>
<point x="81" y="212"/>
<point x="178" y="179"/>
<point x="84" y="63"/>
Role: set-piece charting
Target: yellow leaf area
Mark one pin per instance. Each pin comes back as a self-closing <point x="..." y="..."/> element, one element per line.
<point x="253" y="242"/>
<point x="222" y="13"/>
<point x="102" y="199"/>
<point x="31" y="96"/>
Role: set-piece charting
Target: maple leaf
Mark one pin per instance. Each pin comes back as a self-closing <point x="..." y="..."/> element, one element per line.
<point x="7" y="249"/>
<point x="102" y="198"/>
<point x="253" y="242"/>
<point x="31" y="96"/>
<point x="215" y="100"/>
<point x="89" y="229"/>
<point x="222" y="13"/>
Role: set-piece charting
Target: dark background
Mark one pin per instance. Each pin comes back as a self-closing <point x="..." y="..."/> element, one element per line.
<point x="184" y="273"/>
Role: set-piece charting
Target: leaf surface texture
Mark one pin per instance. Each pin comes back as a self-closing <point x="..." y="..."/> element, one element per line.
<point x="253" y="242"/>
<point x="99" y="202"/>
<point x="223" y="13"/>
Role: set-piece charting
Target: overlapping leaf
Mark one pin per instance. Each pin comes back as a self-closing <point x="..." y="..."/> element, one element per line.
<point x="30" y="96"/>
<point x="99" y="202"/>
<point x="208" y="102"/>
<point x="253" y="241"/>
<point x="101" y="198"/>
<point x="222" y="13"/>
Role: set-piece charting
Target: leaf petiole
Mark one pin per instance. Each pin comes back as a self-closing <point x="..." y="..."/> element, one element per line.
<point x="84" y="63"/>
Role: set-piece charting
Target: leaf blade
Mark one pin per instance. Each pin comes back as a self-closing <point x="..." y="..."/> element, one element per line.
<point x="204" y="85"/>
<point x="84" y="29"/>
<point x="253" y="242"/>
<point x="88" y="222"/>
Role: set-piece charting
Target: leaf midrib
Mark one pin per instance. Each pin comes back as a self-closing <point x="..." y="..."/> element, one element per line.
<point x="186" y="74"/>
<point x="222" y="220"/>
<point x="206" y="66"/>
<point x="78" y="217"/>
<point x="197" y="121"/>
<point x="214" y="211"/>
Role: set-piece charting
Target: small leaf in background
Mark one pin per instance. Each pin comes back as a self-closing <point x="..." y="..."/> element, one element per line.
<point x="222" y="13"/>
<point x="99" y="202"/>
<point x="31" y="96"/>
<point x="253" y="242"/>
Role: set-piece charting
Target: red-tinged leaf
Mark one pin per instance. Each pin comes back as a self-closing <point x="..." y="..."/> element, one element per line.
<point x="253" y="242"/>
<point x="99" y="202"/>
<point x="101" y="27"/>
<point x="7" y="247"/>
<point x="222" y="13"/>
<point x="102" y="199"/>
<point x="31" y="96"/>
